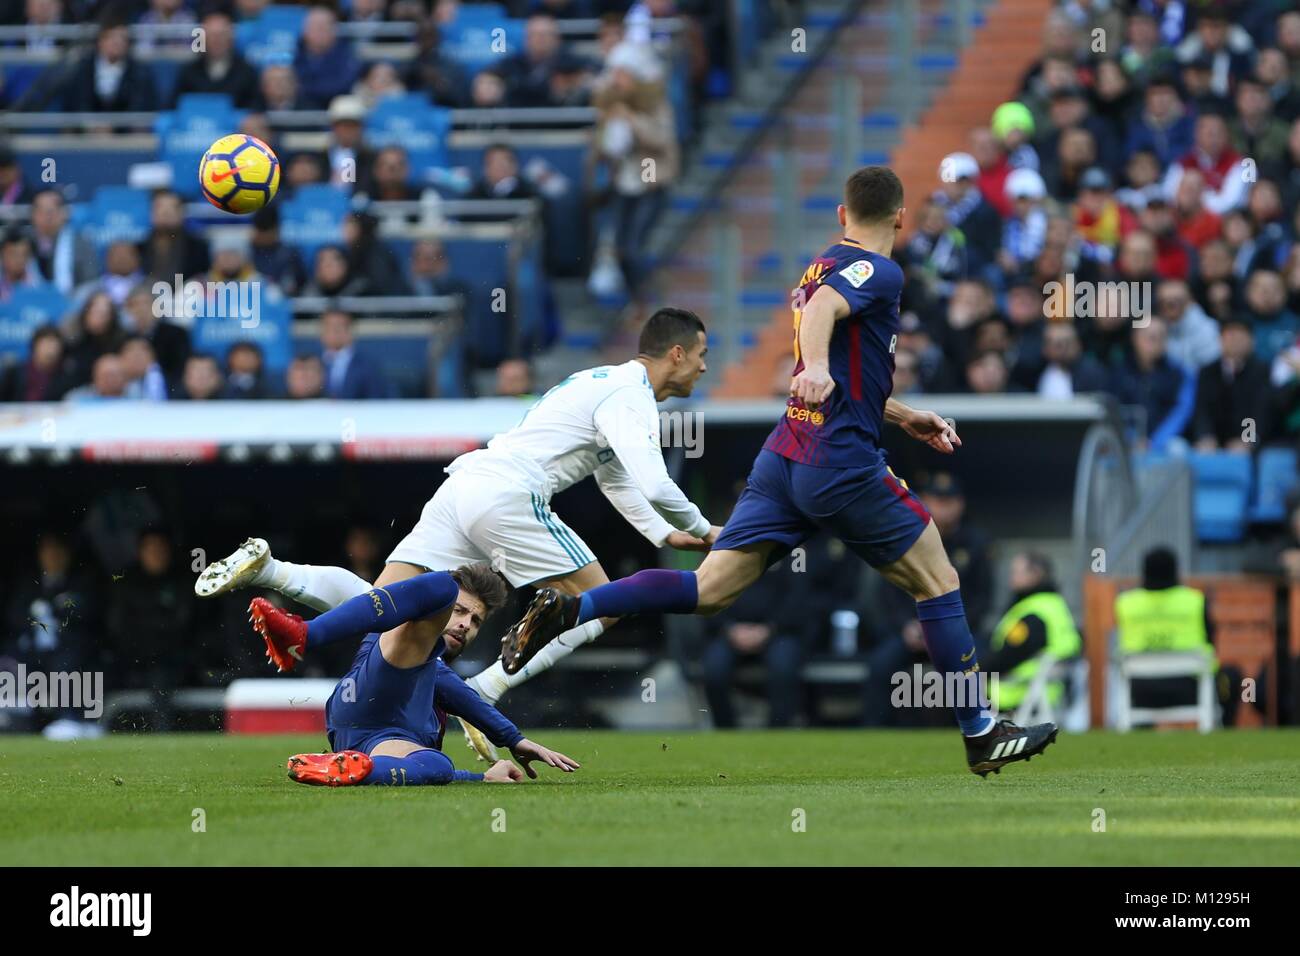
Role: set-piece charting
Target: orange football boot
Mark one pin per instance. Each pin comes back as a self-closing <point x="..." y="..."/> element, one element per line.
<point x="285" y="634"/>
<point x="330" y="770"/>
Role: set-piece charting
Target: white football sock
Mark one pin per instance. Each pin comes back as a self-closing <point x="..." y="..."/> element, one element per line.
<point x="492" y="683"/>
<point x="320" y="587"/>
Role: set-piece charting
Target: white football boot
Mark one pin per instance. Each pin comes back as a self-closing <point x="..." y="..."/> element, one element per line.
<point x="236" y="570"/>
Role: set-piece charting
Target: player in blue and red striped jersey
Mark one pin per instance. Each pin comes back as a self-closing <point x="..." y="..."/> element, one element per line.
<point x="822" y="468"/>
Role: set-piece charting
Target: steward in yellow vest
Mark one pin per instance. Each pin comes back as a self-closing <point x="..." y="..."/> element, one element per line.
<point x="1038" y="622"/>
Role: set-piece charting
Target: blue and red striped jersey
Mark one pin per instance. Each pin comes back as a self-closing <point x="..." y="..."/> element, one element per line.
<point x="845" y="431"/>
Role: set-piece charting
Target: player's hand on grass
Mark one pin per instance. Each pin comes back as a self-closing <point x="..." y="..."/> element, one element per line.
<point x="503" y="771"/>
<point x="526" y="752"/>
<point x="937" y="432"/>
<point x="813" y="385"/>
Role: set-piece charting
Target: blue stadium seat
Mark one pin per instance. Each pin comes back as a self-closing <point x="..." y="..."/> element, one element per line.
<point x="117" y="213"/>
<point x="313" y="217"/>
<point x="25" y="312"/>
<point x="1276" y="476"/>
<point x="222" y="324"/>
<point x="470" y="39"/>
<point x="185" y="134"/>
<point x="272" y="37"/>
<point x="1221" y="494"/>
<point x="412" y="123"/>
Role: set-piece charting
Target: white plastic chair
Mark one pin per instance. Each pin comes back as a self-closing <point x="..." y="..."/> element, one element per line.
<point x="1037" y="704"/>
<point x="1165" y="664"/>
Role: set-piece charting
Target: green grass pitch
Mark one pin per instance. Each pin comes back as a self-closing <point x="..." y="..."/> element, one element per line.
<point x="667" y="798"/>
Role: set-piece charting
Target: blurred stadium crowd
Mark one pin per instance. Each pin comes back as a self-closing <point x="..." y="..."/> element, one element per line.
<point x="1156" y="144"/>
<point x="90" y="265"/>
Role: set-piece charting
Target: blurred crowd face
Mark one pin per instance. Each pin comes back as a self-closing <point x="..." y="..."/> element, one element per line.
<point x="113" y="44"/>
<point x="43" y="12"/>
<point x="1266" y="293"/>
<point x="305" y="378"/>
<point x="155" y="554"/>
<point x="361" y="547"/>
<point x="279" y="86"/>
<point x="987" y="374"/>
<point x="1213" y="33"/>
<point x="1142" y="170"/>
<point x="108" y="377"/>
<point x="906" y="372"/>
<point x="1188" y="195"/>
<point x="382" y="80"/>
<point x="53" y="556"/>
<point x="1137" y="254"/>
<point x="1265" y="202"/>
<point x="320" y="31"/>
<point x="499" y="165"/>
<point x="47" y="352"/>
<point x="947" y="510"/>
<point x="201" y="378"/>
<point x="488" y="90"/>
<point x="984" y="147"/>
<point x="1061" y="344"/>
<point x="514" y="378"/>
<point x="1024" y="306"/>
<point x="1271" y="67"/>
<point x="166" y="212"/>
<point x="970" y="302"/>
<point x="335" y="331"/>
<point x="137" y="358"/>
<point x="1022" y="575"/>
<point x="1161" y="102"/>
<point x="49" y="214"/>
<point x="392" y="170"/>
<point x="541" y="38"/>
<point x="1215" y="261"/>
<point x="244" y="361"/>
<point x="1211" y="135"/>
<point x="428" y="258"/>
<point x="14" y="259"/>
<point x="1077" y="148"/>
<point x="1172" y="299"/>
<point x="331" y="268"/>
<point x="122" y="259"/>
<point x="97" y="315"/>
<point x="1253" y="102"/>
<point x="1237" y="343"/>
<point x="1150" y="342"/>
<point x="220" y="36"/>
<point x="304" y="169"/>
<point x="1158" y="219"/>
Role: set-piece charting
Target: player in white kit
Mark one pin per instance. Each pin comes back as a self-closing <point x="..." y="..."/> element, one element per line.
<point x="495" y="503"/>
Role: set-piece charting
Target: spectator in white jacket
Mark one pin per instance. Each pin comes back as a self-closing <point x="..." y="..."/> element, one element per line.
<point x="1193" y="335"/>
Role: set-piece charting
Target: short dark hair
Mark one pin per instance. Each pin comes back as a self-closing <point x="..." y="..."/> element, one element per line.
<point x="482" y="582"/>
<point x="872" y="194"/>
<point x="1041" y="565"/>
<point x="669" y="327"/>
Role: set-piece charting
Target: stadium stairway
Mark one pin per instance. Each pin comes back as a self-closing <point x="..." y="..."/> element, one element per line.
<point x="910" y="126"/>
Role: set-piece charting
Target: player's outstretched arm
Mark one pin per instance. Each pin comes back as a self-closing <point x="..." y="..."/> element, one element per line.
<point x="526" y="751"/>
<point x="813" y="385"/>
<point x="937" y="432"/>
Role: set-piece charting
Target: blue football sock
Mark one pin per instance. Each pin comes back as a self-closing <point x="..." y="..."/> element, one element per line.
<point x="419" y="768"/>
<point x="952" y="651"/>
<point x="668" y="592"/>
<point x="382" y="609"/>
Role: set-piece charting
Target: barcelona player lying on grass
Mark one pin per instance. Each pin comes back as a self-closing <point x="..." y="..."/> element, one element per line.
<point x="387" y="716"/>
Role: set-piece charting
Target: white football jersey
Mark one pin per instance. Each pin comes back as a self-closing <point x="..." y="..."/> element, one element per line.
<point x="601" y="421"/>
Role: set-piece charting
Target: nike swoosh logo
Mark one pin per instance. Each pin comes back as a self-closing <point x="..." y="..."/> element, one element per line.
<point x="966" y="657"/>
<point x="295" y="652"/>
<point x="218" y="177"/>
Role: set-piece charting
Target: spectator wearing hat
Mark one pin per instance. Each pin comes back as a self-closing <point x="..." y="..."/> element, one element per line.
<point x="1193" y="337"/>
<point x="1231" y="391"/>
<point x="108" y="80"/>
<point x="1221" y="167"/>
<point x="1164" y="127"/>
<point x="220" y="68"/>
<point x="1013" y="125"/>
<point x="324" y="62"/>
<point x="1173" y="255"/>
<point x="347" y="157"/>
<point x="1025" y="229"/>
<point x="1099" y="219"/>
<point x="967" y="209"/>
